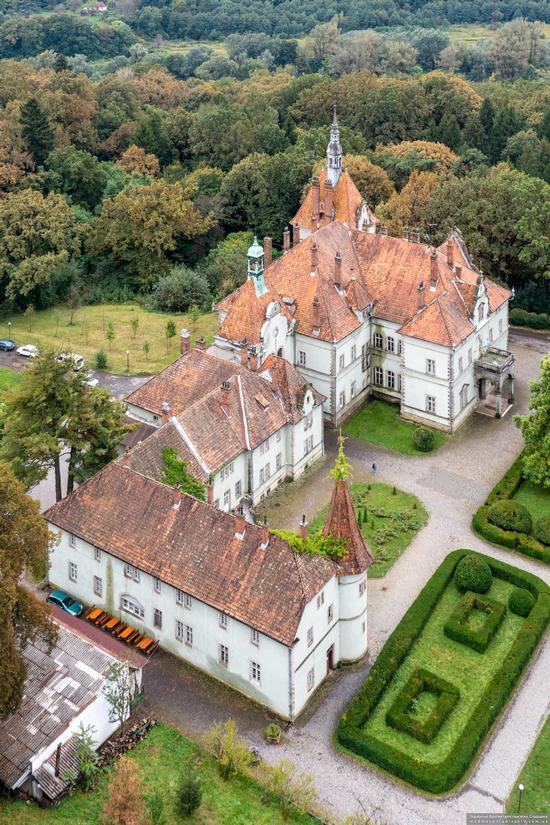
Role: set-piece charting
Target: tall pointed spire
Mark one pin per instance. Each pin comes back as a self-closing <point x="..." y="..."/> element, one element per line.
<point x="334" y="152"/>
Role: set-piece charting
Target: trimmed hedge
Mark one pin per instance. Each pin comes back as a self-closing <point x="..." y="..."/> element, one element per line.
<point x="521" y="602"/>
<point x="473" y="574"/>
<point x="510" y="515"/>
<point x="399" y="715"/>
<point x="542" y="530"/>
<point x="523" y="318"/>
<point x="458" y="629"/>
<point x="509" y="483"/>
<point x="441" y="777"/>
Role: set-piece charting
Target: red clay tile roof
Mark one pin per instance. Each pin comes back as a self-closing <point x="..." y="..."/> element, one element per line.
<point x="346" y="200"/>
<point x="147" y="457"/>
<point x="247" y="313"/>
<point x="290" y="384"/>
<point x="342" y="524"/>
<point x="193" y="547"/>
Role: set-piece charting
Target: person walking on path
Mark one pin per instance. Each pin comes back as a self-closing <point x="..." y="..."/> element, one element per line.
<point x="374" y="468"/>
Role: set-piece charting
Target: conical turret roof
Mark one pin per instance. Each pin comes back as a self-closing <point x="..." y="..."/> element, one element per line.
<point x="342" y="524"/>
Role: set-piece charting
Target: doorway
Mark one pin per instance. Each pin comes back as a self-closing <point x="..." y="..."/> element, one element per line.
<point x="330" y="659"/>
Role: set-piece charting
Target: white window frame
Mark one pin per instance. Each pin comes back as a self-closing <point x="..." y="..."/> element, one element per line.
<point x="341" y="361"/>
<point x="310" y="679"/>
<point x="342" y="399"/>
<point x="301" y="358"/>
<point x="353" y="389"/>
<point x="330" y="613"/>
<point x="179" y="596"/>
<point x="254" y="637"/>
<point x="98" y="586"/>
<point x="132" y="606"/>
<point x="377" y="340"/>
<point x="255" y="672"/>
<point x="227" y="499"/>
<point x="97" y="554"/>
<point x="223" y="619"/>
<point x="390" y="379"/>
<point x="362" y="587"/>
<point x="430" y="366"/>
<point x="378" y="376"/>
<point x="73" y="571"/>
<point x="157" y="585"/>
<point x="238" y="489"/>
<point x="180" y="630"/>
<point x="188" y="601"/>
<point x="72" y="540"/>
<point x="430" y="404"/>
<point x="460" y="365"/>
<point x="390" y="343"/>
<point x="223" y="655"/>
<point x="157" y="618"/>
<point x="278" y="461"/>
<point x="353" y="352"/>
<point x="309" y="636"/>
<point x="188" y="635"/>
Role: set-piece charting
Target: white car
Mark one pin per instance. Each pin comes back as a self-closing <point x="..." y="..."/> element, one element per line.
<point x="28" y="351"/>
<point x="78" y="360"/>
<point x="91" y="380"/>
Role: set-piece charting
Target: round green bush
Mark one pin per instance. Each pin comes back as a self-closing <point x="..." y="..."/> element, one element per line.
<point x="473" y="574"/>
<point x="424" y="439"/>
<point x="100" y="360"/>
<point x="510" y="515"/>
<point x="521" y="601"/>
<point x="542" y="530"/>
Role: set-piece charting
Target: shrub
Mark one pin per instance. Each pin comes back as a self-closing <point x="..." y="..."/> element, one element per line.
<point x="458" y="628"/>
<point x="190" y="795"/>
<point x="100" y="360"/>
<point x="491" y="532"/>
<point x="179" y="290"/>
<point x="228" y="749"/>
<point x="521" y="602"/>
<point x="522" y="318"/>
<point x="474" y="574"/>
<point x="424" y="439"/>
<point x="442" y="776"/>
<point x="510" y="515"/>
<point x="529" y="546"/>
<point x="400" y="716"/>
<point x="509" y="482"/>
<point x="542" y="530"/>
<point x="273" y="732"/>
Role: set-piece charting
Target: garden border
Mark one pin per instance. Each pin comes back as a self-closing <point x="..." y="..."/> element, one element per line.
<point x="399" y="716"/>
<point x="443" y="776"/>
<point x="505" y="489"/>
<point x="456" y="626"/>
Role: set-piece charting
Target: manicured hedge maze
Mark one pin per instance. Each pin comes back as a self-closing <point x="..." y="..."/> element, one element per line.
<point x="458" y="626"/>
<point x="375" y="725"/>
<point x="401" y="714"/>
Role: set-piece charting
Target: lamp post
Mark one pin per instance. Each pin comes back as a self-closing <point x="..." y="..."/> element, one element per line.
<point x="9" y="329"/>
<point x="127" y="361"/>
<point x="521" y="788"/>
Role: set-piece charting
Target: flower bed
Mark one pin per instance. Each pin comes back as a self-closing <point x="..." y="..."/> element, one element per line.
<point x="485" y="681"/>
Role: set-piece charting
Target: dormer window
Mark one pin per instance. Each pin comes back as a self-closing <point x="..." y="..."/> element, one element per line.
<point x="481" y="313"/>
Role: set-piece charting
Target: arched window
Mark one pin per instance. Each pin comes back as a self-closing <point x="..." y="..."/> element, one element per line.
<point x="481" y="312"/>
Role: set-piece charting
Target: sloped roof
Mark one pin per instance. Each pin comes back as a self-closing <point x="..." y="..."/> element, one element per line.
<point x="247" y="313"/>
<point x="147" y="457"/>
<point x="195" y="547"/>
<point x="346" y="200"/>
<point x="291" y="385"/>
<point x="342" y="524"/>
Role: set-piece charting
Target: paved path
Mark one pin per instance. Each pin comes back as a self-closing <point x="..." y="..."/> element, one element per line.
<point x="450" y="484"/>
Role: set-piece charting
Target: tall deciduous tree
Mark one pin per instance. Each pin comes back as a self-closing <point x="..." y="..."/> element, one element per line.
<point x="24" y="544"/>
<point x="536" y="429"/>
<point x="36" y="131"/>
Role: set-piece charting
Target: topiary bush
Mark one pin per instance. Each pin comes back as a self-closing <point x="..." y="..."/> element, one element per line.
<point x="424" y="439"/>
<point x="521" y="601"/>
<point x="510" y="515"/>
<point x="457" y="626"/>
<point x="473" y="574"/>
<point x="401" y="717"/>
<point x="542" y="530"/>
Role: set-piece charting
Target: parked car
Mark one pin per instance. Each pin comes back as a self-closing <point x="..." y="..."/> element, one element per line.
<point x="7" y="344"/>
<point x="91" y="380"/>
<point x="65" y="602"/>
<point x="77" y="360"/>
<point x="28" y="351"/>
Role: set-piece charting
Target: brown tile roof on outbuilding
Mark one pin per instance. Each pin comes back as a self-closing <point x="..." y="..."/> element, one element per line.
<point x="213" y="556"/>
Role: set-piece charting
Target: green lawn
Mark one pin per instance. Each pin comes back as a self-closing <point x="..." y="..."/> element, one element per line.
<point x="380" y="423"/>
<point x="391" y="524"/>
<point x="535" y="777"/>
<point x="8" y="380"/>
<point x="87" y="334"/>
<point x="163" y="757"/>
<point x="535" y="498"/>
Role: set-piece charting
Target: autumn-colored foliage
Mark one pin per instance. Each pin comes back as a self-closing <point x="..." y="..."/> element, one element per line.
<point x="125" y="803"/>
<point x="136" y="159"/>
<point x="441" y="154"/>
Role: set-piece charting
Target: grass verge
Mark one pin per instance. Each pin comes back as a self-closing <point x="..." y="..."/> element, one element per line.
<point x="8" y="381"/>
<point x="163" y="757"/>
<point x="535" y="777"/>
<point x="380" y="423"/>
<point x="88" y="334"/>
<point x="392" y="520"/>
<point x="485" y="681"/>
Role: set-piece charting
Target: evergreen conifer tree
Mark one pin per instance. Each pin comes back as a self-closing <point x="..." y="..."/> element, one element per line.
<point x="36" y="130"/>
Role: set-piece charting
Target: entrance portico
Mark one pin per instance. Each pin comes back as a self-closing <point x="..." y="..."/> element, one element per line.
<point x="495" y="379"/>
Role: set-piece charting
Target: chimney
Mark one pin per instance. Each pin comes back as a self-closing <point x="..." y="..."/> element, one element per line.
<point x="433" y="269"/>
<point x="450" y="252"/>
<point x="328" y="201"/>
<point x="415" y="235"/>
<point x="303" y="528"/>
<point x="286" y="239"/>
<point x="252" y="361"/>
<point x="240" y="527"/>
<point x="383" y="229"/>
<point x="421" y="295"/>
<point x="268" y="252"/>
<point x="185" y="342"/>
<point x="58" y="759"/>
<point x="338" y="269"/>
<point x="316" y="192"/>
<point x="458" y="271"/>
<point x="244" y="356"/>
<point x="314" y="256"/>
<point x="200" y="343"/>
<point x="165" y="411"/>
<point x="405" y="233"/>
<point x="210" y="493"/>
<point x="226" y="392"/>
<point x="264" y="541"/>
<point x="296" y="234"/>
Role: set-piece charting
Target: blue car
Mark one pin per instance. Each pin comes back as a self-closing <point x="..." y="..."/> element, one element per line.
<point x="65" y="602"/>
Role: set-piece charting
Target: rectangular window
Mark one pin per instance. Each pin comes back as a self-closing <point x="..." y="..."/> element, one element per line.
<point x="353" y="389"/>
<point x="353" y="352"/>
<point x="188" y="601"/>
<point x="279" y="461"/>
<point x="330" y="613"/>
<point x="132" y="607"/>
<point x="227" y="499"/>
<point x="255" y="672"/>
<point x="460" y="365"/>
<point x="342" y="399"/>
<point x="157" y="618"/>
<point x="222" y="618"/>
<point x="301" y="358"/>
<point x="267" y="471"/>
<point x="430" y="366"/>
<point x="188" y="635"/>
<point x="254" y="637"/>
<point x="157" y="585"/>
<point x="364" y="360"/>
<point x="179" y="596"/>
<point x="430" y="403"/>
<point x="223" y="655"/>
<point x="278" y="435"/>
<point x="362" y="587"/>
<point x="98" y="586"/>
<point x="131" y="572"/>
<point x="378" y="376"/>
<point x="179" y="630"/>
<point x="310" y="679"/>
<point x="491" y="334"/>
<point x="310" y="637"/>
<point x="390" y="379"/>
<point x="97" y="554"/>
<point x="73" y="571"/>
<point x="399" y="347"/>
<point x="341" y="362"/>
<point x="238" y="489"/>
<point x="377" y="341"/>
<point x="390" y="344"/>
<point x="470" y="355"/>
<point x="72" y="540"/>
<point x="320" y="599"/>
<point x="262" y="476"/>
<point x="500" y="325"/>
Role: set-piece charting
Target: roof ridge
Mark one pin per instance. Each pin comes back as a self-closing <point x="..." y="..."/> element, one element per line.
<point x="186" y="438"/>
